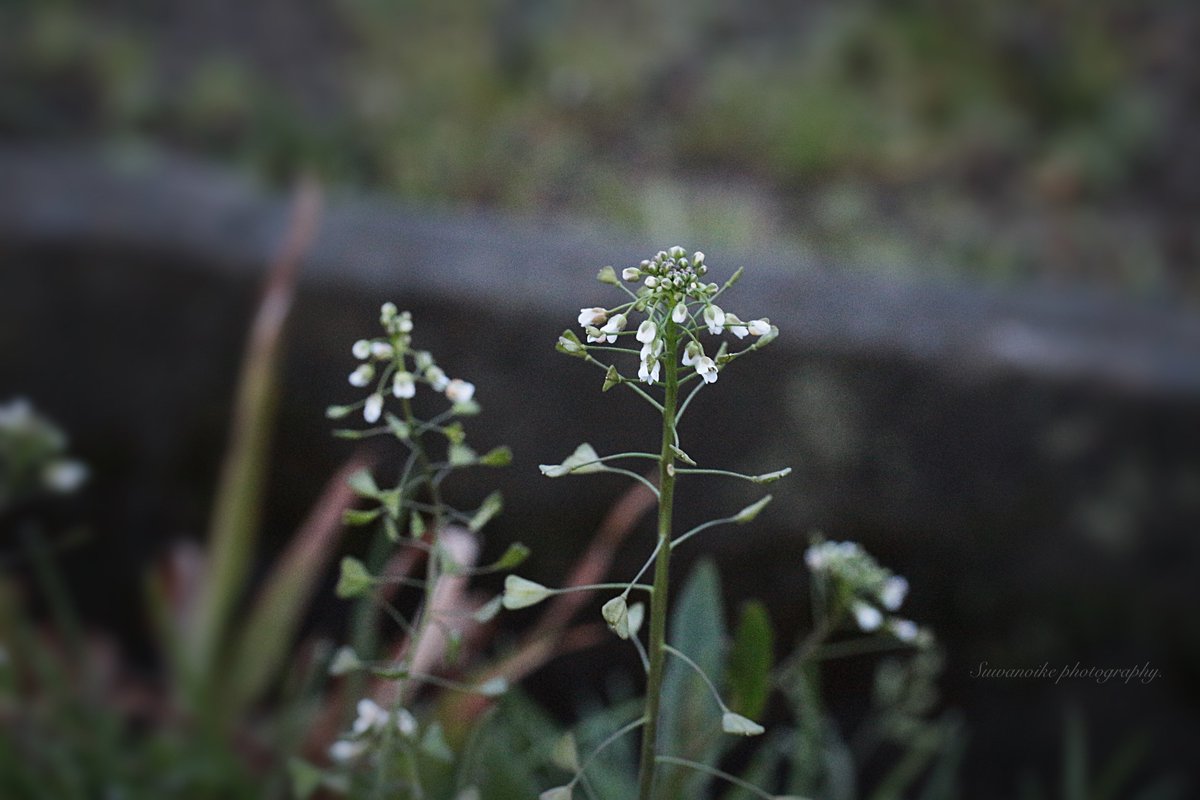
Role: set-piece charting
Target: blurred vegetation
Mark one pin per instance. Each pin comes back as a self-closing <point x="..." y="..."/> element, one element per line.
<point x="1041" y="140"/>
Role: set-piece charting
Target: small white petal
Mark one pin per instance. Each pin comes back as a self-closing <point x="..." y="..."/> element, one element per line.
<point x="592" y="316"/>
<point x="460" y="391"/>
<point x="362" y="375"/>
<point x="867" y="616"/>
<point x="647" y="332"/>
<point x="691" y="352"/>
<point x="406" y="723"/>
<point x="344" y="750"/>
<point x="893" y="592"/>
<point x="680" y="312"/>
<point x="631" y="273"/>
<point x="64" y="475"/>
<point x="437" y="378"/>
<point x="403" y="385"/>
<point x="361" y="349"/>
<point x="714" y="318"/>
<point x="382" y="350"/>
<point x="706" y="368"/>
<point x="370" y="717"/>
<point x="905" y="630"/>
<point x="759" y="327"/>
<point x="373" y="408"/>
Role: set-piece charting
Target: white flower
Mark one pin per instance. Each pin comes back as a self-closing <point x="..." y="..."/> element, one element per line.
<point x="680" y="312"/>
<point x="867" y="616"/>
<point x="651" y="282"/>
<point x="706" y="368"/>
<point x="814" y="557"/>
<point x="649" y="374"/>
<point x="594" y="334"/>
<point x="759" y="327"/>
<point x="615" y="326"/>
<point x="406" y="723"/>
<point x="344" y="750"/>
<point x="388" y="312"/>
<point x="403" y="385"/>
<point x="64" y="475"/>
<point x="652" y="350"/>
<point x="371" y="718"/>
<point x="362" y="375"/>
<point x="647" y="332"/>
<point x="893" y="592"/>
<point x="373" y="408"/>
<point x="714" y="318"/>
<point x="691" y="352"/>
<point x="520" y="592"/>
<point x="382" y="350"/>
<point x="405" y="324"/>
<point x="592" y="316"/>
<point x="437" y="378"/>
<point x="698" y="258"/>
<point x="735" y="326"/>
<point x="460" y="391"/>
<point x="631" y="273"/>
<point x="904" y="629"/>
<point x="361" y="349"/>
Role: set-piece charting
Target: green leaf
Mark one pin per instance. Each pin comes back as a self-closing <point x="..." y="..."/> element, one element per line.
<point x="363" y="484"/>
<point x="611" y="378"/>
<point x="750" y="661"/>
<point x="455" y="433"/>
<point x="398" y="427"/>
<point x="691" y="721"/>
<point x="391" y="530"/>
<point x="497" y="457"/>
<point x="461" y="455"/>
<point x="355" y="581"/>
<point x="306" y="777"/>
<point x="514" y="556"/>
<point x="361" y="516"/>
<point x="488" y="611"/>
<point x="434" y="744"/>
<point x="492" y="505"/>
<point x="468" y="408"/>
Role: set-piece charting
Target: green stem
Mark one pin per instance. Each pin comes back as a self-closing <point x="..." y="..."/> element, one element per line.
<point x="658" y="599"/>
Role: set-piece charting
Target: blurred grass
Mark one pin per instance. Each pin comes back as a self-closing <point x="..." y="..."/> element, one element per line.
<point x="1002" y="142"/>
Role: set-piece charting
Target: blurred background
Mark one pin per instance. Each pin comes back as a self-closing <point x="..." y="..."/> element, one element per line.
<point x="976" y="223"/>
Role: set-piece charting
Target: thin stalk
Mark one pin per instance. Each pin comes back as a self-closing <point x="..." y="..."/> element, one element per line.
<point x="658" y="599"/>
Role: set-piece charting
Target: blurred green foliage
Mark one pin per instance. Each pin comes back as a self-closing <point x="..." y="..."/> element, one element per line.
<point x="1003" y="140"/>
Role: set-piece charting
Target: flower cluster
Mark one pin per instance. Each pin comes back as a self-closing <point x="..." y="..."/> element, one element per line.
<point x="671" y="291"/>
<point x="390" y="363"/>
<point x="371" y="724"/>
<point x="869" y="589"/>
<point x="32" y="455"/>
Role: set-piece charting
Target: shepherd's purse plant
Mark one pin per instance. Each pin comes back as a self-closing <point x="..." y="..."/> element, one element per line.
<point x="669" y="326"/>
